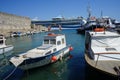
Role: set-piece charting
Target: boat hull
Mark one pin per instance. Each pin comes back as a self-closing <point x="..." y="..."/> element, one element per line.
<point x="102" y="66"/>
<point x="42" y="61"/>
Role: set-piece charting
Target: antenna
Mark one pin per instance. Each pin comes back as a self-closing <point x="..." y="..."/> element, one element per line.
<point x="101" y="14"/>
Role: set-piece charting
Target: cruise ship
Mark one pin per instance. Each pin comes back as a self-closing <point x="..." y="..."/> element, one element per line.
<point x="61" y="21"/>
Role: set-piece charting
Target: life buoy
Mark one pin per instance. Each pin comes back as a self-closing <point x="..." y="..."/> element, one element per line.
<point x="70" y="48"/>
<point x="54" y="58"/>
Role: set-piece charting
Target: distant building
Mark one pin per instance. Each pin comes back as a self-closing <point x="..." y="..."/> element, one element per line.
<point x="11" y="22"/>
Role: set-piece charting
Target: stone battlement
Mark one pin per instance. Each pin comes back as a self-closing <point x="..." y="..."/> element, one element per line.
<point x="11" y="22"/>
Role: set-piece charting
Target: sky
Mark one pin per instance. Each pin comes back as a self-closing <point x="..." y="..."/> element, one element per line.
<point x="47" y="9"/>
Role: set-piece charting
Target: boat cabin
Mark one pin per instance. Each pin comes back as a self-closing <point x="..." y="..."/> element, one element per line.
<point x="103" y="44"/>
<point x="53" y="45"/>
<point x="57" y="40"/>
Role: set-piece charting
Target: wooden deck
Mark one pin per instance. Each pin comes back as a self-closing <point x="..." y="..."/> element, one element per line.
<point x="105" y="66"/>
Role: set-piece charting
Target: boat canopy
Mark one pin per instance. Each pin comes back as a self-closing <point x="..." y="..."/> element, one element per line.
<point x="105" y="43"/>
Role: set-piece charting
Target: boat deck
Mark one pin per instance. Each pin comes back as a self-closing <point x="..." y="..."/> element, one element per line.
<point x="107" y="66"/>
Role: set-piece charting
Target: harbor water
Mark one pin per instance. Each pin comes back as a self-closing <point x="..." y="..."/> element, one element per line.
<point x="74" y="68"/>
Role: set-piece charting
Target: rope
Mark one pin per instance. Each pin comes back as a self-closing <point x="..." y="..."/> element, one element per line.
<point x="27" y="71"/>
<point x="10" y="73"/>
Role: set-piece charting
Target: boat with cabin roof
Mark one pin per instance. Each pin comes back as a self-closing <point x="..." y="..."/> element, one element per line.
<point x="54" y="48"/>
<point x="4" y="49"/>
<point x="102" y="51"/>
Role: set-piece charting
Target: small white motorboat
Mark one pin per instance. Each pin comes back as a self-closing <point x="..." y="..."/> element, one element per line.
<point x="4" y="49"/>
<point x="53" y="48"/>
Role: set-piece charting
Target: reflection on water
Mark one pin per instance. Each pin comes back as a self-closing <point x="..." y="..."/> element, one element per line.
<point x="24" y="43"/>
<point x="50" y="72"/>
<point x="93" y="74"/>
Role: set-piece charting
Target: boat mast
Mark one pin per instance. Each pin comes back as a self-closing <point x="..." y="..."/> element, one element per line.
<point x="89" y="11"/>
<point x="101" y="14"/>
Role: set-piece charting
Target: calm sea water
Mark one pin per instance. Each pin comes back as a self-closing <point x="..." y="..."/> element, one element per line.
<point x="72" y="69"/>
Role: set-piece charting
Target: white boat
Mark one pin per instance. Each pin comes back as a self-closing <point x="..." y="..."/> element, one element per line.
<point x="17" y="34"/>
<point x="90" y="24"/>
<point x="53" y="48"/>
<point x="102" y="51"/>
<point x="4" y="49"/>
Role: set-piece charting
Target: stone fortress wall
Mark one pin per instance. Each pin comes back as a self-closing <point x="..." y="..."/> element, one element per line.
<point x="11" y="23"/>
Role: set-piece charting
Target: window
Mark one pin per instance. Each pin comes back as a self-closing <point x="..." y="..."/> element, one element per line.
<point x="46" y="41"/>
<point x="63" y="41"/>
<point x="1" y="41"/>
<point x="52" y="41"/>
<point x="58" y="42"/>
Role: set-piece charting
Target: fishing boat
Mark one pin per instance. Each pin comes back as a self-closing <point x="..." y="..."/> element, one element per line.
<point x="90" y="25"/>
<point x="102" y="51"/>
<point x="54" y="48"/>
<point x="4" y="49"/>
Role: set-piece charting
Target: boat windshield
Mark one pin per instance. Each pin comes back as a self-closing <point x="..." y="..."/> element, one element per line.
<point x="46" y="41"/>
<point x="52" y="41"/>
<point x="49" y="41"/>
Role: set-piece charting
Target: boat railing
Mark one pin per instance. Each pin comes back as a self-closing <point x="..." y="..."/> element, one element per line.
<point x="104" y="56"/>
<point x="117" y="70"/>
<point x="3" y="50"/>
<point x="6" y="47"/>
